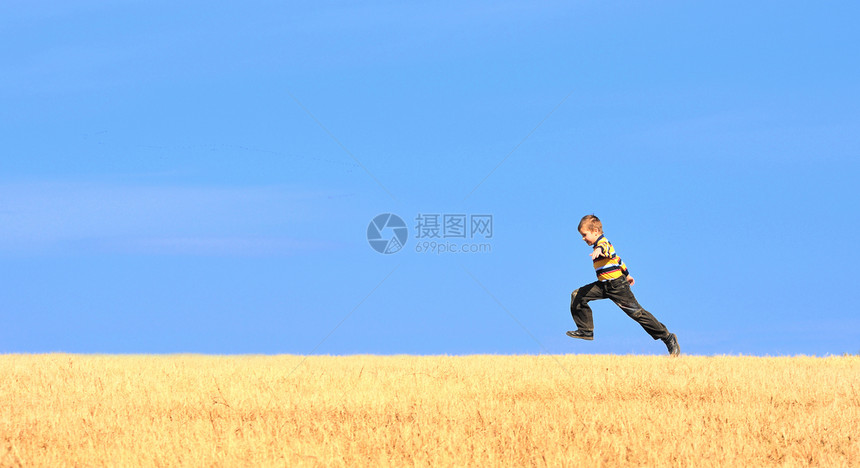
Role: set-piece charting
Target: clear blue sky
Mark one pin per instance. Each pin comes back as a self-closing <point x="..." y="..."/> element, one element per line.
<point x="200" y="178"/>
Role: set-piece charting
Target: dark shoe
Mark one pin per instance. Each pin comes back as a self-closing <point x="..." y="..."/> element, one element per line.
<point x="583" y="335"/>
<point x="672" y="344"/>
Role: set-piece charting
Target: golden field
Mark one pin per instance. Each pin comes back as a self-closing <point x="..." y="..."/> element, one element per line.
<point x="573" y="410"/>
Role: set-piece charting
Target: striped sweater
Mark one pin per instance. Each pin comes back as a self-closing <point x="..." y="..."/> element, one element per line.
<point x="608" y="265"/>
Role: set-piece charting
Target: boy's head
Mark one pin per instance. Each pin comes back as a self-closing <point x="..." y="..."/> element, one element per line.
<point x="590" y="228"/>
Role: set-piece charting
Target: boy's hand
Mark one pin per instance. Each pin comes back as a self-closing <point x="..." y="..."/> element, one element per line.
<point x="631" y="280"/>
<point x="596" y="253"/>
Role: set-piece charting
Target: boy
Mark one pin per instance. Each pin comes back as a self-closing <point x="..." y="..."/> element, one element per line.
<point x="613" y="282"/>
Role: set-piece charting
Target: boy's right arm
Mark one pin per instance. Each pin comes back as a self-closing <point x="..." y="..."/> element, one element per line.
<point x="597" y="252"/>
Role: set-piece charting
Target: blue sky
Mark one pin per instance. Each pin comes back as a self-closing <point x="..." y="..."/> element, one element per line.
<point x="199" y="178"/>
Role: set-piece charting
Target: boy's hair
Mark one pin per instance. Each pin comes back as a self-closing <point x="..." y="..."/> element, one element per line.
<point x="590" y="223"/>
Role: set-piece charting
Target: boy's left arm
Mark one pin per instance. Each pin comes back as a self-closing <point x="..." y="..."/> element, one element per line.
<point x="626" y="273"/>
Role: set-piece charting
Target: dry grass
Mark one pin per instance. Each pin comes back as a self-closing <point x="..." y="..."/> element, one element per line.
<point x="73" y="410"/>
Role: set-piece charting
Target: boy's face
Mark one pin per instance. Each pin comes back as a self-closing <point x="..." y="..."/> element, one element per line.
<point x="590" y="237"/>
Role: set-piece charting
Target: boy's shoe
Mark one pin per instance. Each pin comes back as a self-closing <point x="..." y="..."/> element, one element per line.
<point x="672" y="344"/>
<point x="583" y="335"/>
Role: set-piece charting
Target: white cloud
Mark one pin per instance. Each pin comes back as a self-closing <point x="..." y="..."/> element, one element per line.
<point x="240" y="246"/>
<point x="69" y="216"/>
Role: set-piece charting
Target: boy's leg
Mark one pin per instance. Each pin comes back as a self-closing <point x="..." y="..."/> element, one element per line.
<point x="579" y="309"/>
<point x="619" y="291"/>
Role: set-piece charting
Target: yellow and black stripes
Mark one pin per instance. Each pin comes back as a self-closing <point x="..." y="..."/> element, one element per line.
<point x="608" y="265"/>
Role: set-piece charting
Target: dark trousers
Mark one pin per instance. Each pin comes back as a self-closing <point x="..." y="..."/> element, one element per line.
<point x="619" y="291"/>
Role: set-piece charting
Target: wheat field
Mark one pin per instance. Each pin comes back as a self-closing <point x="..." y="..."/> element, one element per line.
<point x="573" y="410"/>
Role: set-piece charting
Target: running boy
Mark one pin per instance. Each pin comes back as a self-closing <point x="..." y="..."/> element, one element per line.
<point x="613" y="282"/>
